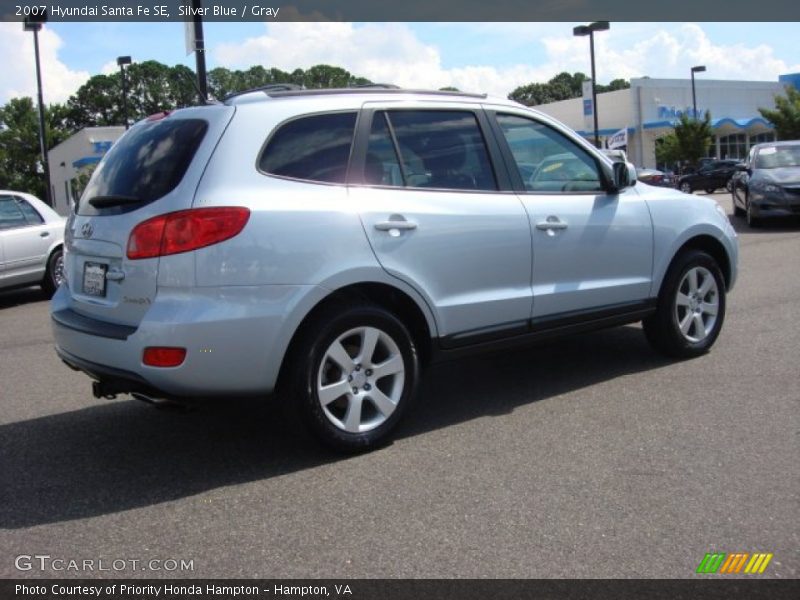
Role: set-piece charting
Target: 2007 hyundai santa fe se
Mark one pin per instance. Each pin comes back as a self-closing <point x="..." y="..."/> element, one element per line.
<point x="328" y="243"/>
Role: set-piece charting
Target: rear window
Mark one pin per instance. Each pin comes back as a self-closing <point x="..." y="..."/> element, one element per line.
<point x="147" y="163"/>
<point x="316" y="148"/>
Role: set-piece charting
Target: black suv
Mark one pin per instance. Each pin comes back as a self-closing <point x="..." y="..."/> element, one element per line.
<point x="709" y="177"/>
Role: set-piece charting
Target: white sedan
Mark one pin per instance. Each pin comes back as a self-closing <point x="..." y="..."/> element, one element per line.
<point x="31" y="242"/>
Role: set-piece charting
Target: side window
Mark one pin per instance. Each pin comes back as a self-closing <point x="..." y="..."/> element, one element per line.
<point x="547" y="160"/>
<point x="382" y="167"/>
<point x="31" y="216"/>
<point x="442" y="149"/>
<point x="316" y="148"/>
<point x="10" y="215"/>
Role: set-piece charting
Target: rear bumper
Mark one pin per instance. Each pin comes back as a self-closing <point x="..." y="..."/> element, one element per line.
<point x="235" y="338"/>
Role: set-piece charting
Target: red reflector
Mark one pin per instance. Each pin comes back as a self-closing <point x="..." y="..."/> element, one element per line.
<point x="185" y="230"/>
<point x="158" y="356"/>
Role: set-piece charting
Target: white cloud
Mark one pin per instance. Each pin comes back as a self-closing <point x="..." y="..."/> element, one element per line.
<point x="392" y="53"/>
<point x="18" y="73"/>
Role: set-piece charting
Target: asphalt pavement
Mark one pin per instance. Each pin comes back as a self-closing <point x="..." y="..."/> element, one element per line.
<point x="592" y="456"/>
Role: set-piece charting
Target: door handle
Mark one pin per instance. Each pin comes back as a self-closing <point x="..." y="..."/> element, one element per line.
<point x="551" y="223"/>
<point x="395" y="225"/>
<point x="44" y="234"/>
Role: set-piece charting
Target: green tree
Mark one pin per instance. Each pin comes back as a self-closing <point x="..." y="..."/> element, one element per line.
<point x="20" y="159"/>
<point x="563" y="86"/>
<point x="688" y="142"/>
<point x="151" y="87"/>
<point x="786" y="115"/>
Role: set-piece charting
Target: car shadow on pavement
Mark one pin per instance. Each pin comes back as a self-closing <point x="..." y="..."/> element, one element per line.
<point x="16" y="297"/>
<point x="122" y="455"/>
<point x="785" y="225"/>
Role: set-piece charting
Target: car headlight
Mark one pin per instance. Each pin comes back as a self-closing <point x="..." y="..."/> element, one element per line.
<point x="766" y="188"/>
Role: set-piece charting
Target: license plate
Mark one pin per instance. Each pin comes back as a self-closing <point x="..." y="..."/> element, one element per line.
<point x="94" y="279"/>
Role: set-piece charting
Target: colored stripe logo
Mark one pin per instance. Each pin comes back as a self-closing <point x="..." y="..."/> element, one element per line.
<point x="720" y="562"/>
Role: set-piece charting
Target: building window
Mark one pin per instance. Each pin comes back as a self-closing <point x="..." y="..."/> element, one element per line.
<point x="733" y="146"/>
<point x="762" y="137"/>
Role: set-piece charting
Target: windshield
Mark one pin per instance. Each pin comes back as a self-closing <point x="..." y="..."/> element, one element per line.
<point x="776" y="157"/>
<point x="147" y="163"/>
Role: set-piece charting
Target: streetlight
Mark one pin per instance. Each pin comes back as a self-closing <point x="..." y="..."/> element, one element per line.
<point x="34" y="23"/>
<point x="698" y="69"/>
<point x="582" y="30"/>
<point x="122" y="61"/>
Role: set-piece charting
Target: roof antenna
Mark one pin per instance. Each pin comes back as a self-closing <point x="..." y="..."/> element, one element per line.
<point x="204" y="101"/>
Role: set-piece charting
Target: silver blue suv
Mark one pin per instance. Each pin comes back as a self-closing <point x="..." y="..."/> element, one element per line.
<point x="328" y="243"/>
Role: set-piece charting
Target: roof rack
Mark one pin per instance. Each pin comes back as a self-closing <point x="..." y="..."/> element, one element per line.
<point x="377" y="86"/>
<point x="369" y="89"/>
<point x="272" y="87"/>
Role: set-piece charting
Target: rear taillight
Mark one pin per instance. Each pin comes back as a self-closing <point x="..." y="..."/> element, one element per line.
<point x="657" y="178"/>
<point x="163" y="356"/>
<point x="185" y="230"/>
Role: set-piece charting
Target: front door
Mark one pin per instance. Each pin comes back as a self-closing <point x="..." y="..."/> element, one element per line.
<point x="591" y="250"/>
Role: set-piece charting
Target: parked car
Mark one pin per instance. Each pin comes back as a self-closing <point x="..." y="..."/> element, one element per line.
<point x="767" y="184"/>
<point x="655" y="177"/>
<point x="31" y="242"/>
<point x="709" y="177"/>
<point x="326" y="244"/>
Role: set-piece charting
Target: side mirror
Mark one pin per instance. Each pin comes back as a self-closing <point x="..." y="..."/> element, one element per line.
<point x="624" y="175"/>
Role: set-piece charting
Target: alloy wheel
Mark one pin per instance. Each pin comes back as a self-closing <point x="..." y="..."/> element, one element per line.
<point x="360" y="379"/>
<point x="697" y="304"/>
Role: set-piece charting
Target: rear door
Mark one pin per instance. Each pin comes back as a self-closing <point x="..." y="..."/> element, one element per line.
<point x="26" y="240"/>
<point x="432" y="210"/>
<point x="152" y="170"/>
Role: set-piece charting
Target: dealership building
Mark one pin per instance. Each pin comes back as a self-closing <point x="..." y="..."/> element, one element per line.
<point x="649" y="109"/>
<point x="72" y="160"/>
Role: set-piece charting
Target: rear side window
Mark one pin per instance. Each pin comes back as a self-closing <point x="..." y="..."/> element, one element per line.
<point x="442" y="149"/>
<point x="316" y="148"/>
<point x="10" y="215"/>
<point x="33" y="217"/>
<point x="147" y="163"/>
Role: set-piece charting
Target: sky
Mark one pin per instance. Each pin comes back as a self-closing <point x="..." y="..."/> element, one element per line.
<point x="479" y="57"/>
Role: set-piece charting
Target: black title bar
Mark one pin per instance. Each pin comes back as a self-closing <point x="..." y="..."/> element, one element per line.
<point x="59" y="11"/>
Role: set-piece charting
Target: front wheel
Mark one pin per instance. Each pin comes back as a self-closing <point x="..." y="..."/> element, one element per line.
<point x="691" y="307"/>
<point x="686" y="188"/>
<point x="752" y="220"/>
<point x="355" y="375"/>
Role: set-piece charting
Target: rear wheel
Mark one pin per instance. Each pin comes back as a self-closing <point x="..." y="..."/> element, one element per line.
<point x="691" y="307"/>
<point x="686" y="188"/>
<point x="355" y="373"/>
<point x="54" y="274"/>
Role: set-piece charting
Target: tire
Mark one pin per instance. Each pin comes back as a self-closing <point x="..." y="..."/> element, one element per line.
<point x="710" y="190"/>
<point x="330" y="363"/>
<point x="685" y="187"/>
<point x="752" y="220"/>
<point x="54" y="274"/>
<point x="691" y="307"/>
<point x="729" y="186"/>
<point x="737" y="210"/>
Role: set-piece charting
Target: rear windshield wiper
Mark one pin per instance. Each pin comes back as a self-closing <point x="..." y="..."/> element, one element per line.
<point x="107" y="201"/>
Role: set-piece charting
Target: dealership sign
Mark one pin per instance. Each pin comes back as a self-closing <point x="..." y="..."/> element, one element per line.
<point x="618" y="140"/>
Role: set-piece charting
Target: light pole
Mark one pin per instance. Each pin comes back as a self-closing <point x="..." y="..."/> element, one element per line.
<point x="582" y="30"/>
<point x="698" y="69"/>
<point x="34" y="24"/>
<point x="200" y="50"/>
<point x="122" y="61"/>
